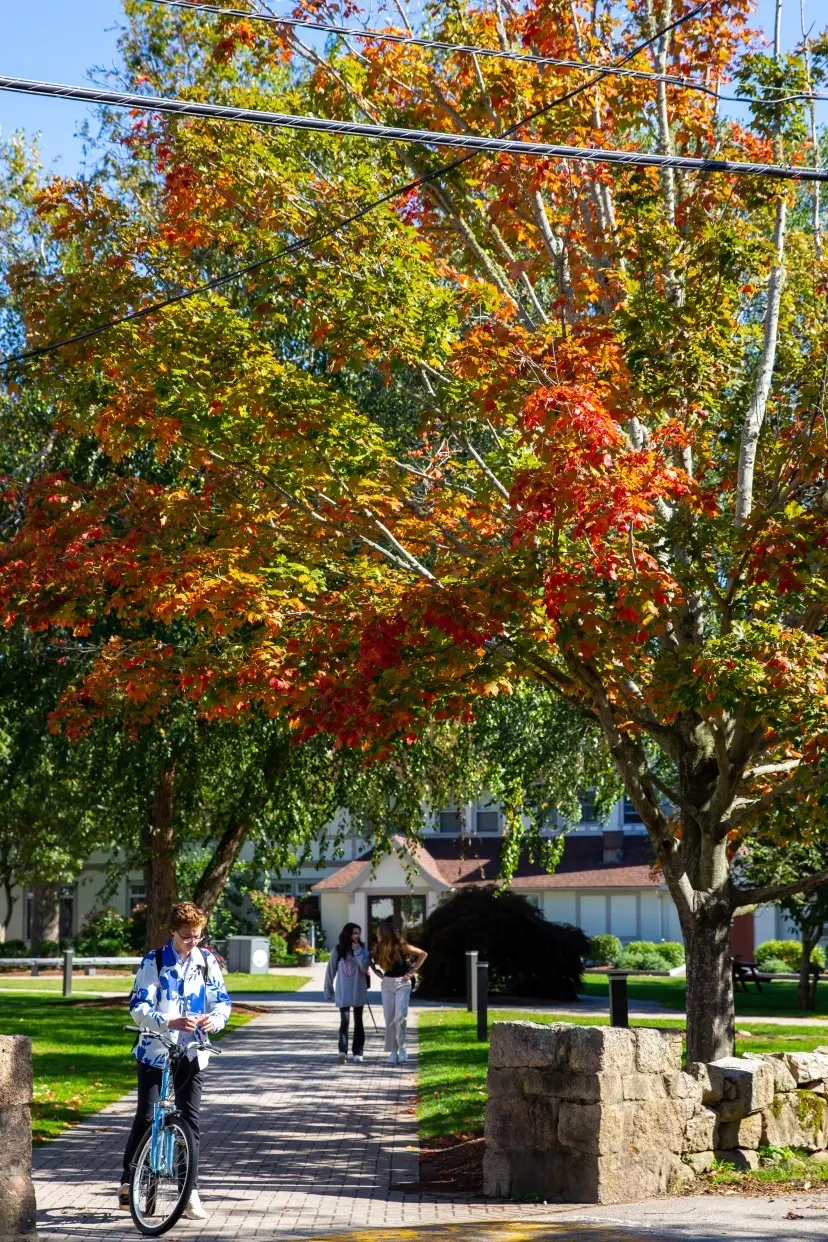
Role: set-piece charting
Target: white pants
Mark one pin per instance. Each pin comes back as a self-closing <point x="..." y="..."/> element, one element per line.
<point x="396" y="994"/>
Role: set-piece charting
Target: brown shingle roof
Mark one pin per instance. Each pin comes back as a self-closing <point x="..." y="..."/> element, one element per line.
<point x="457" y="861"/>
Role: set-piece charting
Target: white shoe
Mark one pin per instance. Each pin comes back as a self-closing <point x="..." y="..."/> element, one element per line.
<point x="357" y="1059"/>
<point x="402" y="1055"/>
<point x="194" y="1210"/>
<point x="343" y="1057"/>
<point x="392" y="1058"/>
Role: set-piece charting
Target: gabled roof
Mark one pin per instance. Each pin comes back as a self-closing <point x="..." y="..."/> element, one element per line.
<point x="454" y="862"/>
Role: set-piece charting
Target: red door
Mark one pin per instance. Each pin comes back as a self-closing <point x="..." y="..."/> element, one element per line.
<point x="741" y="937"/>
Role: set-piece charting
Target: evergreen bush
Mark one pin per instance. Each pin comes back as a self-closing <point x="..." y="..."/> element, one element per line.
<point x="604" y="950"/>
<point x="527" y="955"/>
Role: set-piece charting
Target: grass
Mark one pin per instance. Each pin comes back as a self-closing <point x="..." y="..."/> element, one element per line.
<point x="776" y="999"/>
<point x="93" y="985"/>
<point x="780" y="1168"/>
<point x="81" y="1058"/>
<point x="452" y="1086"/>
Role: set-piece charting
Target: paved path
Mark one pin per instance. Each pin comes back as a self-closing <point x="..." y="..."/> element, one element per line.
<point x="299" y="1147"/>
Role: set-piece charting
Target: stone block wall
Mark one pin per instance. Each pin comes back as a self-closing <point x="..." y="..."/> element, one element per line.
<point x="596" y="1114"/>
<point x="17" y="1198"/>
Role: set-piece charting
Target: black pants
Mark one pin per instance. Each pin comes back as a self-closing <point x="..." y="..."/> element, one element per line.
<point x="359" y="1030"/>
<point x="188" y="1083"/>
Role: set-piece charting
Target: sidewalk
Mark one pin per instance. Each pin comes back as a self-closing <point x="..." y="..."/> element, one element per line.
<point x="298" y="1147"/>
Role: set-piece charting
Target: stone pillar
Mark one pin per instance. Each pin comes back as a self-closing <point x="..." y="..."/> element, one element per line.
<point x="588" y="1114"/>
<point x="17" y="1197"/>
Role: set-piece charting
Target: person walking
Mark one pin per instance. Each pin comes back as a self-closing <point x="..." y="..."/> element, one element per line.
<point x="178" y="989"/>
<point x="346" y="983"/>
<point x="396" y="962"/>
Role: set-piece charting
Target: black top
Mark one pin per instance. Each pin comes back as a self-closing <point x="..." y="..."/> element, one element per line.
<point x="401" y="967"/>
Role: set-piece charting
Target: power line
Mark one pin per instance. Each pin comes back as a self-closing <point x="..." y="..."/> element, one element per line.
<point x="331" y="230"/>
<point x="394" y="133"/>
<point x="472" y="49"/>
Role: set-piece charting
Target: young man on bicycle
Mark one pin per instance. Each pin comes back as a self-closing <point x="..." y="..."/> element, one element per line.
<point x="179" y="989"/>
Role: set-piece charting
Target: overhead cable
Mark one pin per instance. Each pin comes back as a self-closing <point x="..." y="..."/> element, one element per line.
<point x="330" y="230"/>
<point x="394" y="133"/>
<point x="473" y="49"/>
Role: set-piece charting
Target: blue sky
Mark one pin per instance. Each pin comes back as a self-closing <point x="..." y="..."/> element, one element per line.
<point x="60" y="40"/>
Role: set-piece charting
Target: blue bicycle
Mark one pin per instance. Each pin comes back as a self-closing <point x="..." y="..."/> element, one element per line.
<point x="164" y="1168"/>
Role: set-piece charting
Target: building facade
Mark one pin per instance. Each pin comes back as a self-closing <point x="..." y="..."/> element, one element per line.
<point x="604" y="883"/>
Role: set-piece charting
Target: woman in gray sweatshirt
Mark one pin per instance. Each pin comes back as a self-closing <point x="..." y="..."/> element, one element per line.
<point x="346" y="983"/>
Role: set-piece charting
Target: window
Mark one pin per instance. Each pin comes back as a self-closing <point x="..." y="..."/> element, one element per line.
<point x="406" y="913"/>
<point x="136" y="895"/>
<point x="589" y="812"/>
<point x="488" y="821"/>
<point x="534" y="899"/>
<point x="631" y="815"/>
<point x="450" y="822"/>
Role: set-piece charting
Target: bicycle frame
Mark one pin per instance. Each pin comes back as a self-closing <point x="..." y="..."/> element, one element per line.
<point x="161" y="1152"/>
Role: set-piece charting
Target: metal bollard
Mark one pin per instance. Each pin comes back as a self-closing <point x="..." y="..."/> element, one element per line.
<point x="482" y="1001"/>
<point x="35" y="967"/>
<point x="471" y="980"/>
<point x="68" y="954"/>
<point x="619" y="1003"/>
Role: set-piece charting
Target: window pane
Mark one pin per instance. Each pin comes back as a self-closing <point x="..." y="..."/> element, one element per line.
<point x="589" y="814"/>
<point x="450" y="821"/>
<point x="488" y="821"/>
<point x="631" y="815"/>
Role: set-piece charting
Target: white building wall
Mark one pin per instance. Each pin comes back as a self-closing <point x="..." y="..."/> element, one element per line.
<point x="333" y="913"/>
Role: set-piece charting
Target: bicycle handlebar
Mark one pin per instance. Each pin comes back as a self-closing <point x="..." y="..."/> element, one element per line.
<point x="202" y="1041"/>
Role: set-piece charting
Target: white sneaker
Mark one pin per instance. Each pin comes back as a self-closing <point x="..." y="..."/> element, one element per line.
<point x="343" y="1057"/>
<point x="392" y="1058"/>
<point x="357" y="1059"/>
<point x="402" y="1055"/>
<point x="194" y="1210"/>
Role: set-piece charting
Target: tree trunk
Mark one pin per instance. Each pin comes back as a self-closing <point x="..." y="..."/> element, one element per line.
<point x="158" y="846"/>
<point x="215" y="874"/>
<point x="45" y="914"/>
<point x="710" y="1021"/>
<point x="10" y="904"/>
<point x="806" y="989"/>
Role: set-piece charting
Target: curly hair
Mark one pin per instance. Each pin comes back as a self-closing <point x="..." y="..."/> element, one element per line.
<point x="185" y="914"/>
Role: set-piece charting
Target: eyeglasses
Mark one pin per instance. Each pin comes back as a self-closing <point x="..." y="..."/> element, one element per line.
<point x="195" y="938"/>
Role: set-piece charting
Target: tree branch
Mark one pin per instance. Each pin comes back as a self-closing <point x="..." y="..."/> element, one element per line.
<point x="775" y="892"/>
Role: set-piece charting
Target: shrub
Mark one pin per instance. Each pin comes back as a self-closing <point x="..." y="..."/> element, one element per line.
<point x="604" y="950"/>
<point x="106" y="933"/>
<point x="672" y="952"/>
<point x="774" y="966"/>
<point x="787" y="951"/>
<point x="14" y="948"/>
<point x="278" y="949"/>
<point x="277" y="913"/>
<point x="642" y="956"/>
<point x="48" y="948"/>
<point x="527" y="956"/>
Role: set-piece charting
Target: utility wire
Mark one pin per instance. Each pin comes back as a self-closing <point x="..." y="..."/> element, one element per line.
<point x="394" y="133"/>
<point x="472" y="49"/>
<point x="332" y="229"/>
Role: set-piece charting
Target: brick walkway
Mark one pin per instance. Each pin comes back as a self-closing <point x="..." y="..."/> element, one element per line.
<point x="296" y="1146"/>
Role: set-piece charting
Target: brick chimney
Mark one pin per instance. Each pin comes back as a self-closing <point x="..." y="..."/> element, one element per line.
<point x="613" y="846"/>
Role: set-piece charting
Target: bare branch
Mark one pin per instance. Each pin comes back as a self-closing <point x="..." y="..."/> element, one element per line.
<point x="490" y="475"/>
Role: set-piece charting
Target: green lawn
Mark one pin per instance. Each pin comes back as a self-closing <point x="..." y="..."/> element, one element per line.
<point x="81" y="1058"/>
<point x="452" y="1086"/>
<point x="775" y="999"/>
<point x="93" y="985"/>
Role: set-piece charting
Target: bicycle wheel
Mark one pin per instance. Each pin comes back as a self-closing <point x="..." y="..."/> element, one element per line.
<point x="156" y="1200"/>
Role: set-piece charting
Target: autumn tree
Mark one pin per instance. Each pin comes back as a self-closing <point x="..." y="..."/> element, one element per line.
<point x="598" y="462"/>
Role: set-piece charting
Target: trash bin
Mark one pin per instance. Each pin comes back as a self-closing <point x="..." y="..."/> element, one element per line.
<point x="248" y="955"/>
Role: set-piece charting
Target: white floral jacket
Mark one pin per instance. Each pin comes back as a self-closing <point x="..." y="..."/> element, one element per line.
<point x="178" y="990"/>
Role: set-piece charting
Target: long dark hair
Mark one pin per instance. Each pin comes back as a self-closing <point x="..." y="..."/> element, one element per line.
<point x="345" y="944"/>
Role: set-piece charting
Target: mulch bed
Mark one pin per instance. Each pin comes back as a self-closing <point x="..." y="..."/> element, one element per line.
<point x="449" y="1166"/>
